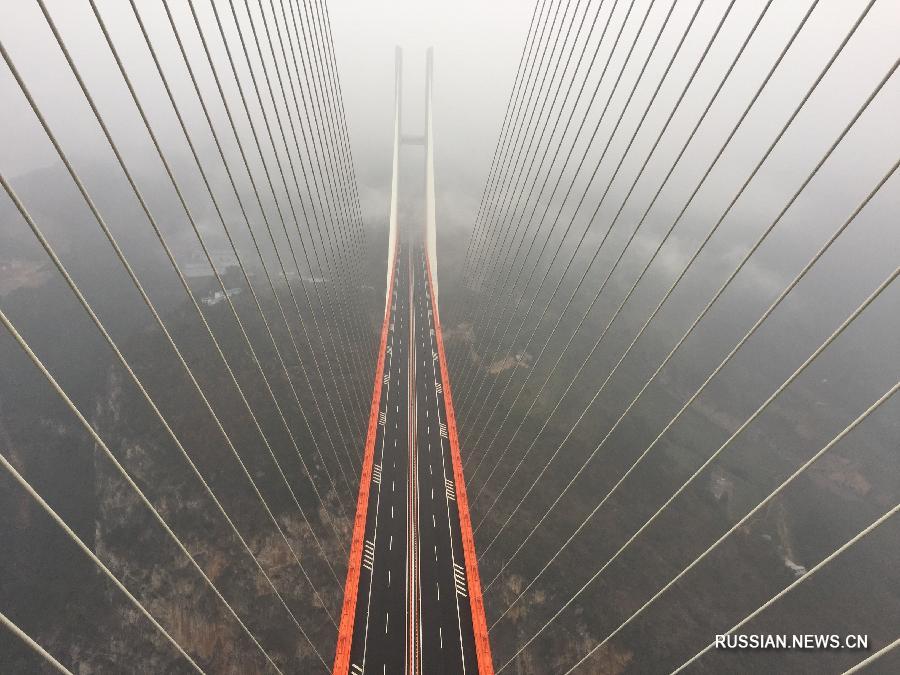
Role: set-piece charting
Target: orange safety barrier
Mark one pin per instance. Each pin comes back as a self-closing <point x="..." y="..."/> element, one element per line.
<point x="482" y="641"/>
<point x="351" y="587"/>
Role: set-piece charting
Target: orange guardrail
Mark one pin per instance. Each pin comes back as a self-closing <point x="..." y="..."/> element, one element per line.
<point x="482" y="641"/>
<point x="351" y="587"/>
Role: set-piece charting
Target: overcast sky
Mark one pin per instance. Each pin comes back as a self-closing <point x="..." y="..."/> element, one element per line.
<point x="477" y="49"/>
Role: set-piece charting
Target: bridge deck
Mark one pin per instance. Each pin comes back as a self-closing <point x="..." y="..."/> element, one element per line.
<point x="407" y="605"/>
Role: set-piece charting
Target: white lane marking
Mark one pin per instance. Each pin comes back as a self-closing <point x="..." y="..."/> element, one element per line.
<point x="433" y="521"/>
<point x="375" y="533"/>
<point x="369" y="554"/>
<point x="450" y="492"/>
<point x="459" y="578"/>
<point x="391" y="545"/>
<point x="387" y="621"/>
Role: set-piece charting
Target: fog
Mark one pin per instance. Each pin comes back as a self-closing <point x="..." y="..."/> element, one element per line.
<point x="595" y="191"/>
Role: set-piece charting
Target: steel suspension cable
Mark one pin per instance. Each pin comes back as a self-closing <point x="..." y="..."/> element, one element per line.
<point x="499" y="341"/>
<point x="70" y="533"/>
<point x="106" y="230"/>
<point x="352" y="400"/>
<point x="493" y="242"/>
<point x="866" y="531"/>
<point x="536" y="50"/>
<point x="338" y="102"/>
<point x="831" y="338"/>
<point x="569" y="87"/>
<point x="265" y="218"/>
<point x="524" y="104"/>
<point x="513" y="96"/>
<point x="290" y="246"/>
<point x="335" y="233"/>
<point x="342" y="220"/>
<point x="865" y="663"/>
<point x="351" y="240"/>
<point x="512" y="104"/>
<point x="328" y="140"/>
<point x="522" y="157"/>
<point x="525" y="131"/>
<point x="359" y="236"/>
<point x="593" y="218"/>
<point x="89" y="310"/>
<point x="499" y="287"/>
<point x="338" y="325"/>
<point x="577" y="100"/>
<point x="572" y="81"/>
<point x="341" y="158"/>
<point x="578" y="169"/>
<point x="130" y="271"/>
<point x="227" y="298"/>
<point x="589" y="266"/>
<point x="32" y="644"/>
<point x="186" y="286"/>
<point x="319" y="66"/>
<point x="772" y="307"/>
<point x="339" y="169"/>
<point x="709" y="235"/>
<point x="354" y="429"/>
<point x="126" y="476"/>
<point x="340" y="318"/>
<point x="745" y="519"/>
<point x="201" y="99"/>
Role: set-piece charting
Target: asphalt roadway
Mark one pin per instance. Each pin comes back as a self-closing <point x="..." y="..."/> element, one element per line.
<point x="413" y="613"/>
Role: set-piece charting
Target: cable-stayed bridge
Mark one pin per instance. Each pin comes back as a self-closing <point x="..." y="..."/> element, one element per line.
<point x="654" y="414"/>
<point x="412" y="535"/>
